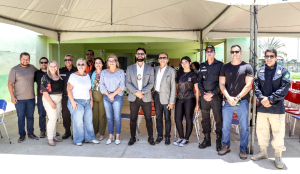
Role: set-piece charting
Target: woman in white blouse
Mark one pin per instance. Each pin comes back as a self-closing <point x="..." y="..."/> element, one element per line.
<point x="80" y="104"/>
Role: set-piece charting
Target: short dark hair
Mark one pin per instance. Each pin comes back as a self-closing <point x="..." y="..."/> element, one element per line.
<point x="141" y="49"/>
<point x="197" y="65"/>
<point x="43" y="58"/>
<point x="236" y="46"/>
<point x="24" y="54"/>
<point x="164" y="53"/>
<point x="90" y="51"/>
<point x="271" y="50"/>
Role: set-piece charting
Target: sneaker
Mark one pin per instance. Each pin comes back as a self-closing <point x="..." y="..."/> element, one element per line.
<point x="32" y="136"/>
<point x="78" y="144"/>
<point x="176" y="143"/>
<point x="94" y="141"/>
<point x="118" y="142"/>
<point x="108" y="142"/>
<point x="183" y="143"/>
<point x="101" y="137"/>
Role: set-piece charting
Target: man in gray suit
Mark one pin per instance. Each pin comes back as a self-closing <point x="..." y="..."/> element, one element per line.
<point x="139" y="81"/>
<point x="164" y="96"/>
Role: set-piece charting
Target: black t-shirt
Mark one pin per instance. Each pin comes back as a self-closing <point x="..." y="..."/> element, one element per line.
<point x="38" y="78"/>
<point x="186" y="85"/>
<point x="57" y="86"/>
<point x="236" y="77"/>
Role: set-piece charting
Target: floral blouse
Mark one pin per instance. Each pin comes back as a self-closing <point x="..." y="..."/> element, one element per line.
<point x="51" y="86"/>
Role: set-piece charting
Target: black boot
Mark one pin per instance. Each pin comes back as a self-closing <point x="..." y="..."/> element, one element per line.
<point x="206" y="142"/>
<point x="218" y="142"/>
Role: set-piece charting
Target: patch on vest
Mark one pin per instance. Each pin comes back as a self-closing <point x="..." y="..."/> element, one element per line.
<point x="287" y="75"/>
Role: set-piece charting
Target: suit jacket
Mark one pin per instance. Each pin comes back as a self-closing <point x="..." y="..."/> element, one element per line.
<point x="167" y="89"/>
<point x="132" y="84"/>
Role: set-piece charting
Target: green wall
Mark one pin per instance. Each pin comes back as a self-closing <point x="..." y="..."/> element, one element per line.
<point x="245" y="45"/>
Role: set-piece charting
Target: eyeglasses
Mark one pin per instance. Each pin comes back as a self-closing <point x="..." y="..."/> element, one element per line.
<point x="111" y="61"/>
<point x="70" y="60"/>
<point x="272" y="56"/>
<point x="236" y="52"/>
<point x="165" y="58"/>
<point x="89" y="54"/>
<point x="80" y="64"/>
<point x="43" y="62"/>
<point x="209" y="52"/>
<point x="140" y="54"/>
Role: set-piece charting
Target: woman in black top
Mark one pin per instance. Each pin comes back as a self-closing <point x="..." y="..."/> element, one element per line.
<point x="52" y="89"/>
<point x="187" y="101"/>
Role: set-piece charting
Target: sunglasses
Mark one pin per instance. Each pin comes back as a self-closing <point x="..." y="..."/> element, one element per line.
<point x="89" y="54"/>
<point x="111" y="61"/>
<point x="236" y="52"/>
<point x="80" y="64"/>
<point x="165" y="58"/>
<point x="140" y="54"/>
<point x="68" y="60"/>
<point x="272" y="56"/>
<point x="43" y="62"/>
<point x="209" y="52"/>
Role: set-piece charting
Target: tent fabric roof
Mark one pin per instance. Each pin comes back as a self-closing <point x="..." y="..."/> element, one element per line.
<point x="182" y="19"/>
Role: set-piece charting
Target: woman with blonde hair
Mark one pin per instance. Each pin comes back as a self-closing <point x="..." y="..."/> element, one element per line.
<point x="80" y="104"/>
<point x="52" y="89"/>
<point x="99" y="117"/>
<point x="112" y="83"/>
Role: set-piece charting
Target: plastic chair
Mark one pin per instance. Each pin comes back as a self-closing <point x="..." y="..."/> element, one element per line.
<point x="3" y="105"/>
<point x="293" y="98"/>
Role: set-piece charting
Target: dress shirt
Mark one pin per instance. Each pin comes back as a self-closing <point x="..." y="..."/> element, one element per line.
<point x="140" y="71"/>
<point x="159" y="76"/>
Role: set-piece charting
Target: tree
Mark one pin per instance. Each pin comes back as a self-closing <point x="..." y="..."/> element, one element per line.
<point x="272" y="43"/>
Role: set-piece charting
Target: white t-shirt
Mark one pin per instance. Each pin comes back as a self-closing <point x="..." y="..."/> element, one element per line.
<point x="81" y="86"/>
<point x="140" y="72"/>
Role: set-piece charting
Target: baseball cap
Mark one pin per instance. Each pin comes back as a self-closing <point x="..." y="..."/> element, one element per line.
<point x="210" y="46"/>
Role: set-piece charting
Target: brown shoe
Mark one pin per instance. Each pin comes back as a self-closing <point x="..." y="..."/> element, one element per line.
<point x="225" y="149"/>
<point x="57" y="139"/>
<point x="51" y="142"/>
<point x="32" y="136"/>
<point x="243" y="155"/>
<point x="42" y="135"/>
<point x="21" y="139"/>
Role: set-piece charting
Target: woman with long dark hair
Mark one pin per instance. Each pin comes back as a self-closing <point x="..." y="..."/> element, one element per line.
<point x="187" y="101"/>
<point x="99" y="116"/>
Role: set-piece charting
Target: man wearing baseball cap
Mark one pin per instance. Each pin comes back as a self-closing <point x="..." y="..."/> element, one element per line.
<point x="211" y="97"/>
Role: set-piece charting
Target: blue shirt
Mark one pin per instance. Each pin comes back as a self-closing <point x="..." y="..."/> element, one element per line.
<point x="110" y="82"/>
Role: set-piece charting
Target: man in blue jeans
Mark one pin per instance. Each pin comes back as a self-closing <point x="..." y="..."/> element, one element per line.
<point x="235" y="80"/>
<point x="21" y="89"/>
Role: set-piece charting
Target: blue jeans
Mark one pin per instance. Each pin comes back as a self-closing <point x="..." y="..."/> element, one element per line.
<point x="242" y="113"/>
<point x="25" y="108"/>
<point x="42" y="116"/>
<point x="82" y="119"/>
<point x="113" y="113"/>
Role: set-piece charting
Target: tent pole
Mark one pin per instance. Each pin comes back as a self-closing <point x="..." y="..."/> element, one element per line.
<point x="201" y="47"/>
<point x="58" y="36"/>
<point x="111" y="12"/>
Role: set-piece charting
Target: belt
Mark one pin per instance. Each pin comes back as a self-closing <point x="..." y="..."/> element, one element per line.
<point x="209" y="91"/>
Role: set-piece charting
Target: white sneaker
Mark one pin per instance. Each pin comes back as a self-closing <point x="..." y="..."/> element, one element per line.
<point x="176" y="143"/>
<point x="78" y="144"/>
<point x="94" y="141"/>
<point x="183" y="143"/>
<point x="118" y="142"/>
<point x="108" y="142"/>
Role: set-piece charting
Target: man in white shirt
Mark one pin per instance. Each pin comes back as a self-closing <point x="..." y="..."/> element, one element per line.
<point x="164" y="97"/>
<point x="140" y="81"/>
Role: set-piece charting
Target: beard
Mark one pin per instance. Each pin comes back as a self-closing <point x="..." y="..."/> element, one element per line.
<point x="140" y="60"/>
<point x="24" y="64"/>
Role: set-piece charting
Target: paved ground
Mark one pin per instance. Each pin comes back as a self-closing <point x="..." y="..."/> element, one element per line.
<point x="141" y="154"/>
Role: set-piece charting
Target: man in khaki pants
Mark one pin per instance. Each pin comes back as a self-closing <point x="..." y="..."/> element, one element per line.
<point x="271" y="86"/>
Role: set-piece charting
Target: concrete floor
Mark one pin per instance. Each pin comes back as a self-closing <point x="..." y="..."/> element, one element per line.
<point x="141" y="149"/>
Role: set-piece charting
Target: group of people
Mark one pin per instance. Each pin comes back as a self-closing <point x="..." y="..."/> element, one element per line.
<point x="91" y="96"/>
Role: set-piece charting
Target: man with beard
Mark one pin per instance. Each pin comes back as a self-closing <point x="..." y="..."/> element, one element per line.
<point x="21" y="89"/>
<point x="140" y="81"/>
<point x="65" y="73"/>
<point x="89" y="60"/>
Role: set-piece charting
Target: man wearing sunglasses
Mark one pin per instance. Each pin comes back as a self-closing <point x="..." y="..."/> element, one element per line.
<point x="41" y="110"/>
<point x="89" y="60"/>
<point x="211" y="97"/>
<point x="164" y="96"/>
<point x="140" y="81"/>
<point x="235" y="80"/>
<point x="271" y="86"/>
<point x="65" y="73"/>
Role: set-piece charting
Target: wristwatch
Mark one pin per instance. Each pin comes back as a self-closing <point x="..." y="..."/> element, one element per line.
<point x="239" y="97"/>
